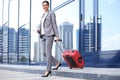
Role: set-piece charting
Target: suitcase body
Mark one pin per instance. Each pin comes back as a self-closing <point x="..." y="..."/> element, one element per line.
<point x="73" y="59"/>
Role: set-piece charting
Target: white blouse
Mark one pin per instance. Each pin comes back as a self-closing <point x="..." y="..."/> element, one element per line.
<point x="42" y="22"/>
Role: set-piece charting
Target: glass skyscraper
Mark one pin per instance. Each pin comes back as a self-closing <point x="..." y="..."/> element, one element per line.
<point x="12" y="46"/>
<point x="23" y="45"/>
<point x="0" y="44"/>
<point x="5" y="44"/>
<point x="10" y="53"/>
<point x="89" y="38"/>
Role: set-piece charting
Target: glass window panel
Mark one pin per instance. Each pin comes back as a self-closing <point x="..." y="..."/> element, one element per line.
<point x="1" y="31"/>
<point x="1" y="5"/>
<point x="109" y="9"/>
<point x="68" y="24"/>
<point x="5" y="32"/>
<point x="13" y="29"/>
<point x="88" y="10"/>
<point x="24" y="31"/>
<point x="37" y="12"/>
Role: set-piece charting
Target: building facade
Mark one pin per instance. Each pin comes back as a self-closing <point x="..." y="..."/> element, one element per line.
<point x="12" y="45"/>
<point x="5" y="55"/>
<point x="0" y="44"/>
<point x="89" y="33"/>
<point x="10" y="49"/>
<point x="89" y="38"/>
<point x="24" y="45"/>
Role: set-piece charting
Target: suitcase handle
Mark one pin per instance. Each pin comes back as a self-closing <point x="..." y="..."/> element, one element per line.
<point x="60" y="40"/>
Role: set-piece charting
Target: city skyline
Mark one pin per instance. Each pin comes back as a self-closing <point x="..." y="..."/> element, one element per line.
<point x="16" y="50"/>
<point x="107" y="8"/>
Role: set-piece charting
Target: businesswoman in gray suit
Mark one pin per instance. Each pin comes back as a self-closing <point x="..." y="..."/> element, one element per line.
<point x="48" y="31"/>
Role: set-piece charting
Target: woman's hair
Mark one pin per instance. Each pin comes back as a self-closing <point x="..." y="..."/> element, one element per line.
<point x="45" y="2"/>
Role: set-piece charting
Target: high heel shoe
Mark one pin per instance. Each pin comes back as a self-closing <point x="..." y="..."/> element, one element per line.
<point x="57" y="67"/>
<point x="46" y="75"/>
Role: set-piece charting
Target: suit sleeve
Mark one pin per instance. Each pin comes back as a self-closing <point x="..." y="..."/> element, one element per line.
<point x="54" y="24"/>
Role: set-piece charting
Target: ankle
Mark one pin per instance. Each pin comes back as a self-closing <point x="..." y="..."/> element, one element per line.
<point x="46" y="72"/>
<point x="58" y="64"/>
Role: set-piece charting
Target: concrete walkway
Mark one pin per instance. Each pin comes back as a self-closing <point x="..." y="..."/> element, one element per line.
<point x="13" y="75"/>
<point x="86" y="73"/>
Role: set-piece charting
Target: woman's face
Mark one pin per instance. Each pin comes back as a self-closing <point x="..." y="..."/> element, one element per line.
<point x="45" y="6"/>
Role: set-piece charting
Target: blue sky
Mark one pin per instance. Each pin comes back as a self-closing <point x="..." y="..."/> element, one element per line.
<point x="110" y="11"/>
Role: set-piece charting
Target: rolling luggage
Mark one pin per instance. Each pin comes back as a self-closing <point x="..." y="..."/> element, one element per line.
<point x="72" y="57"/>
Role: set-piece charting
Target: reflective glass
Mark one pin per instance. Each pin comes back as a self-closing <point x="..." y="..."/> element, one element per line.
<point x="24" y="31"/>
<point x="13" y="25"/>
<point x="5" y="32"/>
<point x="1" y="31"/>
<point x="109" y="10"/>
<point x="67" y="18"/>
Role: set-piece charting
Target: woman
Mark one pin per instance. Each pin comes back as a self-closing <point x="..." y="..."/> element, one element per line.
<point x="48" y="30"/>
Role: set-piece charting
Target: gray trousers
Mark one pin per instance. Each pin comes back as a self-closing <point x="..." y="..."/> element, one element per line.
<point x="47" y="43"/>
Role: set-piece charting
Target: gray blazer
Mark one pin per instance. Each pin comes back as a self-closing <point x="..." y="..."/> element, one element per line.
<point x="49" y="25"/>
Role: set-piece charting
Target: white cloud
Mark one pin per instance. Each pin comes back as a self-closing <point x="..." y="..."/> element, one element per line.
<point x="111" y="42"/>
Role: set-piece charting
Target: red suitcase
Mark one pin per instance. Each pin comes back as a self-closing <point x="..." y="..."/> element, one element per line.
<point x="73" y="58"/>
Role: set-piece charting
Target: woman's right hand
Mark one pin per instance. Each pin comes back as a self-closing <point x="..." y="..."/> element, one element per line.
<point x="57" y="39"/>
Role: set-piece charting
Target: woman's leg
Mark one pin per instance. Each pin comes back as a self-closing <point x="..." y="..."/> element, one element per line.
<point x="50" y="58"/>
<point x="43" y="42"/>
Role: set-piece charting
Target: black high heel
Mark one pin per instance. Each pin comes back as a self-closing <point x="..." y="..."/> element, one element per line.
<point x="57" y="67"/>
<point x="47" y="74"/>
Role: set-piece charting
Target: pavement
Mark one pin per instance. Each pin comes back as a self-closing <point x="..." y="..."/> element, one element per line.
<point x="14" y="75"/>
<point x="86" y="73"/>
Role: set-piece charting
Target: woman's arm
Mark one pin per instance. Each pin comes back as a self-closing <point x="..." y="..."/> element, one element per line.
<point x="54" y="24"/>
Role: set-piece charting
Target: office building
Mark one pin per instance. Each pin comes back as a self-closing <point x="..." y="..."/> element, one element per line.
<point x="24" y="45"/>
<point x="89" y="38"/>
<point x="5" y="44"/>
<point x="12" y="45"/>
<point x="90" y="33"/>
<point x="66" y="34"/>
<point x="0" y="44"/>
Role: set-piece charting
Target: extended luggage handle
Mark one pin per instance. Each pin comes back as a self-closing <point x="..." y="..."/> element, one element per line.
<point x="60" y="40"/>
<point x="62" y="50"/>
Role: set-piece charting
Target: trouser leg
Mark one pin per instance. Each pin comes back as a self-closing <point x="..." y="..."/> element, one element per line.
<point x="50" y="58"/>
<point x="44" y="47"/>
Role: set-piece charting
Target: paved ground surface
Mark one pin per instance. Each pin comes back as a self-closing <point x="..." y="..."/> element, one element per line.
<point x="13" y="75"/>
<point x="87" y="70"/>
<point x="33" y="72"/>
